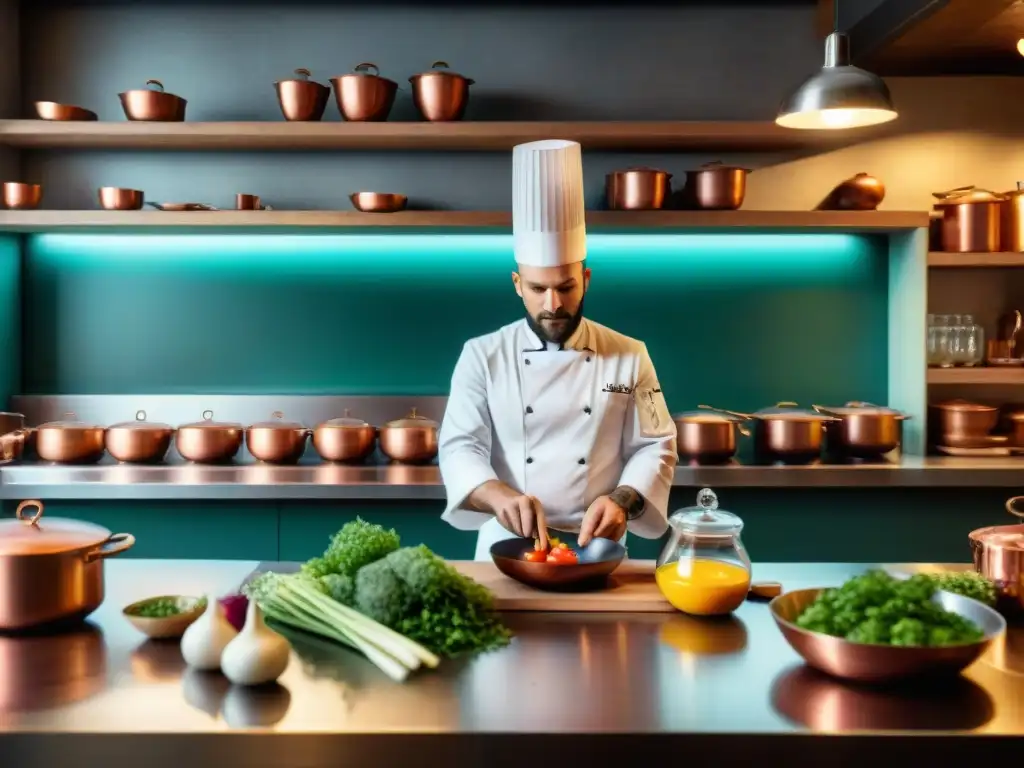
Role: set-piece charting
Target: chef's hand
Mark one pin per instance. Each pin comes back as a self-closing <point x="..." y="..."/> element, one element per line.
<point x="516" y="512"/>
<point x="604" y="520"/>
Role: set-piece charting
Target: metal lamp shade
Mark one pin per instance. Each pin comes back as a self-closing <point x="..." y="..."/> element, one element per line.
<point x="839" y="96"/>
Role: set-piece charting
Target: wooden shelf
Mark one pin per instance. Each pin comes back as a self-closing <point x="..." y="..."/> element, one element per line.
<point x="459" y="136"/>
<point x="609" y="221"/>
<point x="1007" y="375"/>
<point x="943" y="260"/>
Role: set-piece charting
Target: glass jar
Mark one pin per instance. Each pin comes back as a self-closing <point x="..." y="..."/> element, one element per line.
<point x="704" y="570"/>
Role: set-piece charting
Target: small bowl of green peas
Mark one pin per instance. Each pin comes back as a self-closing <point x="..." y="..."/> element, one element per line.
<point x="165" y="617"/>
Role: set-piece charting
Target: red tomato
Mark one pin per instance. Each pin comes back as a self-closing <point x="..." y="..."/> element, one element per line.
<point x="535" y="556"/>
<point x="562" y="556"/>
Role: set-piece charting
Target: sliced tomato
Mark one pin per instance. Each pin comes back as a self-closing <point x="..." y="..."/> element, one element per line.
<point x="535" y="556"/>
<point x="560" y="556"/>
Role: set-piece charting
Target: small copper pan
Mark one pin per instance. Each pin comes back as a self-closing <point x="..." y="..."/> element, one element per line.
<point x="119" y="199"/>
<point x="153" y="104"/>
<point x="51" y="110"/>
<point x="364" y="96"/>
<point x="302" y="99"/>
<point x="378" y="202"/>
<point x="19" y="196"/>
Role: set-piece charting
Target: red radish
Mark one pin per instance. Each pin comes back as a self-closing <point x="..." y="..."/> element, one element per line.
<point x="235" y="607"/>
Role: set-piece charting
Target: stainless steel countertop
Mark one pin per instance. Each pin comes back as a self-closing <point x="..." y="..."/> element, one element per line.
<point x="252" y="481"/>
<point x="602" y="689"/>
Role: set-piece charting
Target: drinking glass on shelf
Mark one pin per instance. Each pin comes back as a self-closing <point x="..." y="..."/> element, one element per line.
<point x="938" y="341"/>
<point x="975" y="345"/>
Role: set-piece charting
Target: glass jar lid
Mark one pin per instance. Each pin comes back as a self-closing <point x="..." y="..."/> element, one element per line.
<point x="706" y="519"/>
<point x="29" y="534"/>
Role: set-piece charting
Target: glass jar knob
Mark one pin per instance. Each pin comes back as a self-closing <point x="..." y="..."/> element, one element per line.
<point x="707" y="500"/>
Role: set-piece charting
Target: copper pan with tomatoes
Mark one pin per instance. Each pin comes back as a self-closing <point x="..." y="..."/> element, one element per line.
<point x="560" y="567"/>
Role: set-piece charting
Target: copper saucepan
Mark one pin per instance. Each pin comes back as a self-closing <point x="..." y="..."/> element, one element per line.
<point x="785" y="432"/>
<point x="139" y="441"/>
<point x="345" y="439"/>
<point x="411" y="440"/>
<point x="440" y="95"/>
<point x="708" y="437"/>
<point x="52" y="571"/>
<point x="716" y="187"/>
<point x="277" y="441"/>
<point x="70" y="441"/>
<point x="363" y="95"/>
<point x="152" y="104"/>
<point x="863" y="430"/>
<point x="209" y="441"/>
<point x="962" y="423"/>
<point x="998" y="554"/>
<point x="637" y="189"/>
<point x="302" y="99"/>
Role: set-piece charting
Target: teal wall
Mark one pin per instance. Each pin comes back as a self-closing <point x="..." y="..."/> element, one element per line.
<point x="10" y="316"/>
<point x="736" y="320"/>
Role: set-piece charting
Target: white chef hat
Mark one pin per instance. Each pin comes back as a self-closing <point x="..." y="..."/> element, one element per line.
<point x="548" y="227"/>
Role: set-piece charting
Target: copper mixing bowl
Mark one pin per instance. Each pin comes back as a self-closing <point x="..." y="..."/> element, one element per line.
<point x="51" y="110"/>
<point x="153" y="104"/>
<point x="118" y="199"/>
<point x="378" y="202"/>
<point x="866" y="663"/>
<point x="21" y="197"/>
<point x="597" y="561"/>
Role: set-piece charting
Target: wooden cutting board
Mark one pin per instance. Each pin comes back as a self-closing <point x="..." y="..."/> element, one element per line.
<point x="631" y="589"/>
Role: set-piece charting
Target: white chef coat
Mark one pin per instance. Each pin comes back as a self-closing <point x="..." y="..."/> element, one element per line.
<point x="541" y="419"/>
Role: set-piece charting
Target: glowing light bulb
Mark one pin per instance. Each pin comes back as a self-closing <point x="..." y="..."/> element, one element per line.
<point x="1020" y="46"/>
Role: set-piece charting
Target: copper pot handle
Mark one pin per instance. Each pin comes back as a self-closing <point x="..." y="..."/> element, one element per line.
<point x="156" y="84"/>
<point x="1011" y="506"/>
<point x="115" y="545"/>
<point x="140" y="415"/>
<point x="303" y="73"/>
<point x="277" y="415"/>
<point x="736" y="414"/>
<point x="440" y="65"/>
<point x="743" y="430"/>
<point x="38" y="506"/>
<point x="207" y="415"/>
<point x="366" y="66"/>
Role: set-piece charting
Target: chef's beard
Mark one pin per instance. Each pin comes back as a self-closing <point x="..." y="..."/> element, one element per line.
<point x="567" y="330"/>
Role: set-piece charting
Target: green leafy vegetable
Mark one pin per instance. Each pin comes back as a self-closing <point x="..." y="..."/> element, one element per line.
<point x="878" y="609"/>
<point x="969" y="584"/>
<point x="357" y="544"/>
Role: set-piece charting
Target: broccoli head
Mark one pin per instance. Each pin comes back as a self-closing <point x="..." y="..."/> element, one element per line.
<point x="358" y="543"/>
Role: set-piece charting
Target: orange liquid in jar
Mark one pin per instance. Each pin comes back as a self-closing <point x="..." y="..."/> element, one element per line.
<point x="703" y="587"/>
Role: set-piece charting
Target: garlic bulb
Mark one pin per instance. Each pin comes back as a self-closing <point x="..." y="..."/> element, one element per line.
<point x="258" y="654"/>
<point x="205" y="639"/>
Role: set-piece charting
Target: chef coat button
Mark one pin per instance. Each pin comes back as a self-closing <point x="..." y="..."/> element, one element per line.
<point x="588" y="358"/>
<point x="586" y="410"/>
<point x="529" y="461"/>
<point x="583" y="461"/>
<point x="529" y="409"/>
<point x="527" y="361"/>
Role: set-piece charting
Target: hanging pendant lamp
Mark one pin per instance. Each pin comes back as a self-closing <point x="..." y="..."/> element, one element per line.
<point x="839" y="95"/>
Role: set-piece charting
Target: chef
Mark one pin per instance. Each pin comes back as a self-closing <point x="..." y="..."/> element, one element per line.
<point x="554" y="421"/>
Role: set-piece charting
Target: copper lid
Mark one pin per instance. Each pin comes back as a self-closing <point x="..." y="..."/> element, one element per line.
<point x="440" y="69"/>
<point x="967" y="196"/>
<point x="791" y="412"/>
<point x="209" y="423"/>
<point x="28" y="534"/>
<point x="718" y="165"/>
<point x="412" y="420"/>
<point x="302" y="75"/>
<point x="277" y="422"/>
<point x="964" y="405"/>
<point x="854" y="408"/>
<point x="705" y="417"/>
<point x="70" y="421"/>
<point x="640" y="169"/>
<point x="141" y="423"/>
<point x="346" y="422"/>
<point x="1000" y="536"/>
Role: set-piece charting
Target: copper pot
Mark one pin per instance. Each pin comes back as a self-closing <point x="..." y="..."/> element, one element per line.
<point x="52" y="571"/>
<point x="345" y="439"/>
<point x="363" y="96"/>
<point x="277" y="441"/>
<point x="11" y="422"/>
<point x="440" y="96"/>
<point x="209" y="441"/>
<point x="302" y="99"/>
<point x="51" y="110"/>
<point x="412" y="440"/>
<point x="1011" y="220"/>
<point x="862" y="192"/>
<point x="971" y="220"/>
<point x="785" y="432"/>
<point x="716" y="187"/>
<point x="19" y="196"/>
<point x="863" y="431"/>
<point x="707" y="437"/>
<point x="962" y="421"/>
<point x="153" y="104"/>
<point x="119" y="199"/>
<point x="998" y="553"/>
<point x="70" y="441"/>
<point x="139" y="441"/>
<point x="378" y="202"/>
<point x="637" y="189"/>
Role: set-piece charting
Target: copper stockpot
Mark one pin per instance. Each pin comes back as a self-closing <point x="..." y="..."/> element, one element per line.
<point x="139" y="441"/>
<point x="998" y="554"/>
<point x="716" y="187"/>
<point x="120" y="199"/>
<point x="302" y="99"/>
<point x="363" y="96"/>
<point x="412" y="440"/>
<point x="637" y="189"/>
<point x="378" y="202"/>
<point x="51" y="110"/>
<point x="70" y="441"/>
<point x="440" y="96"/>
<point x="1011" y="221"/>
<point x="863" y="430"/>
<point x="971" y="220"/>
<point x="277" y="441"/>
<point x="785" y="432"/>
<point x="345" y="439"/>
<point x="247" y="202"/>
<point x="862" y="192"/>
<point x="153" y="104"/>
<point x="962" y="421"/>
<point x="19" y="196"/>
<point x="52" y="571"/>
<point x="707" y="437"/>
<point x="209" y="441"/>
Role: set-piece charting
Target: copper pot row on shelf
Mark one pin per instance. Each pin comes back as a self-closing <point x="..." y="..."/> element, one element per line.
<point x="790" y="434"/>
<point x="440" y="95"/>
<point x="412" y="439"/>
<point x="974" y="220"/>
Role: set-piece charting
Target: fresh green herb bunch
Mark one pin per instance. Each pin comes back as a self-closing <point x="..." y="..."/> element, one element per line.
<point x="969" y="584"/>
<point x="878" y="609"/>
<point x="358" y="543"/>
